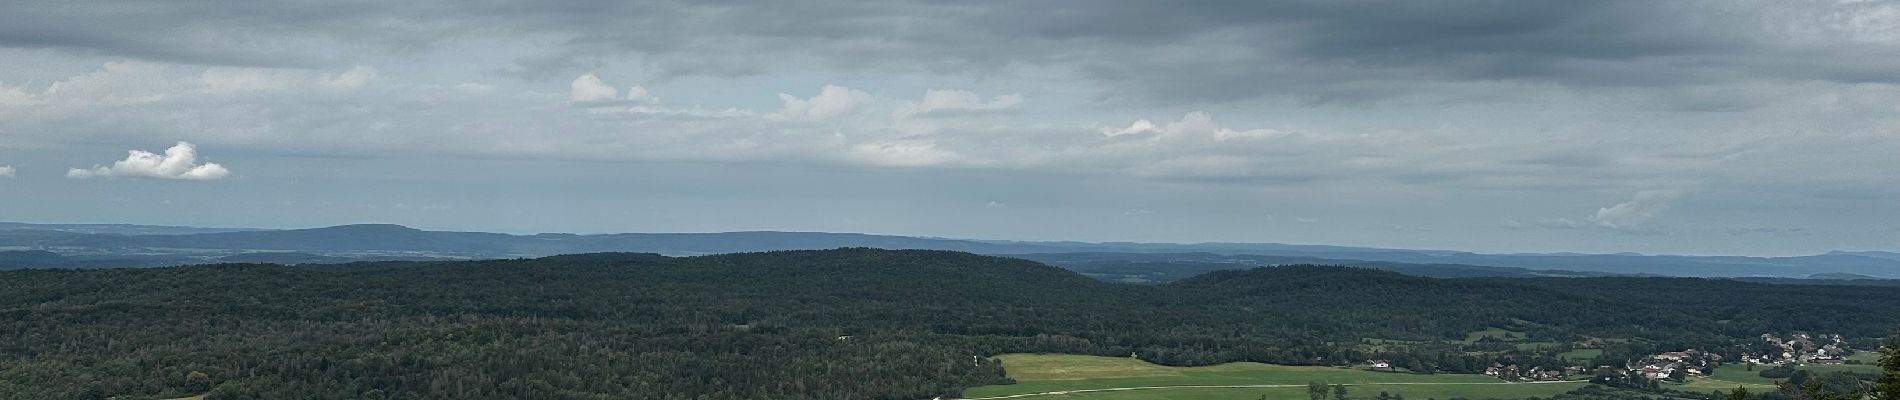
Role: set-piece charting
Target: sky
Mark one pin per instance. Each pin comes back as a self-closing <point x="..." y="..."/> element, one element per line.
<point x="1673" y="127"/>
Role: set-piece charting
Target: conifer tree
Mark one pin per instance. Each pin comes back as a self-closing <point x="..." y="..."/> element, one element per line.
<point x="1888" y="385"/>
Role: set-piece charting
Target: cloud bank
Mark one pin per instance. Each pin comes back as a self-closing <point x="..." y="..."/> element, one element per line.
<point x="180" y="162"/>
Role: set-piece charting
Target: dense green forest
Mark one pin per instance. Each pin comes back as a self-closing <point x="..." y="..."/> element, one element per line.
<point x="836" y="324"/>
<point x="1749" y="308"/>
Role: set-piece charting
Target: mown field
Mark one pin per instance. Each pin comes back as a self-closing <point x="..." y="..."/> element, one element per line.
<point x="1041" y="373"/>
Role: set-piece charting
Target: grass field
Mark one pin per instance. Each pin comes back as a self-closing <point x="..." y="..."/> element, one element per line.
<point x="1866" y="357"/>
<point x="1040" y="373"/>
<point x="1871" y="369"/>
<point x="1497" y="333"/>
<point x="1581" y="354"/>
<point x="1708" y="384"/>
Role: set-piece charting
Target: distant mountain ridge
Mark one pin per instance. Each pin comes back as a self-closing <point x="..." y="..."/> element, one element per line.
<point x="1170" y="267"/>
<point x="1875" y="254"/>
<point x="385" y="241"/>
<point x="122" y="229"/>
<point x="384" y="237"/>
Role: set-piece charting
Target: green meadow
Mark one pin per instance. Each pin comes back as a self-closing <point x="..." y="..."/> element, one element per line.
<point x="1044" y="373"/>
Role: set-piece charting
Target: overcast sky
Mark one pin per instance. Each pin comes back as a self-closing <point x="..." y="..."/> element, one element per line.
<point x="1689" y="127"/>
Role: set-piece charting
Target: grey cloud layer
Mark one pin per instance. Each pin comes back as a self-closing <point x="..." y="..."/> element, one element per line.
<point x="1750" y="104"/>
<point x="1205" y="50"/>
<point x="357" y="111"/>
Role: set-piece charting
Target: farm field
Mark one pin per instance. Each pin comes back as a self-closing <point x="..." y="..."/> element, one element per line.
<point x="1040" y="373"/>
<point x="1713" y="384"/>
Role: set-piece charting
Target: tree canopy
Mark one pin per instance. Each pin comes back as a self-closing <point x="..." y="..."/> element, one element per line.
<point x="836" y="324"/>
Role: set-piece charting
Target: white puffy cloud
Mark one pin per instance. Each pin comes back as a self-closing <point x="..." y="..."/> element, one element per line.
<point x="1646" y="206"/>
<point x="179" y="162"/>
<point x="354" y="78"/>
<point x="588" y="88"/>
<point x="955" y="101"/>
<point x="831" y="101"/>
<point x="639" y="95"/>
<point x="6" y="171"/>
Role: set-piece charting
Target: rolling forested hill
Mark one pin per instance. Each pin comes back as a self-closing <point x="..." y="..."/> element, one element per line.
<point x="92" y="246"/>
<point x="1744" y="307"/>
<point x="834" y="324"/>
<point x="1169" y="267"/>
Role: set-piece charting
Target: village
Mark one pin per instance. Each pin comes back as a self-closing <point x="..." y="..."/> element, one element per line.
<point x="1514" y="374"/>
<point x="1676" y="365"/>
<point x="1798" y="348"/>
<point x="1794" y="349"/>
